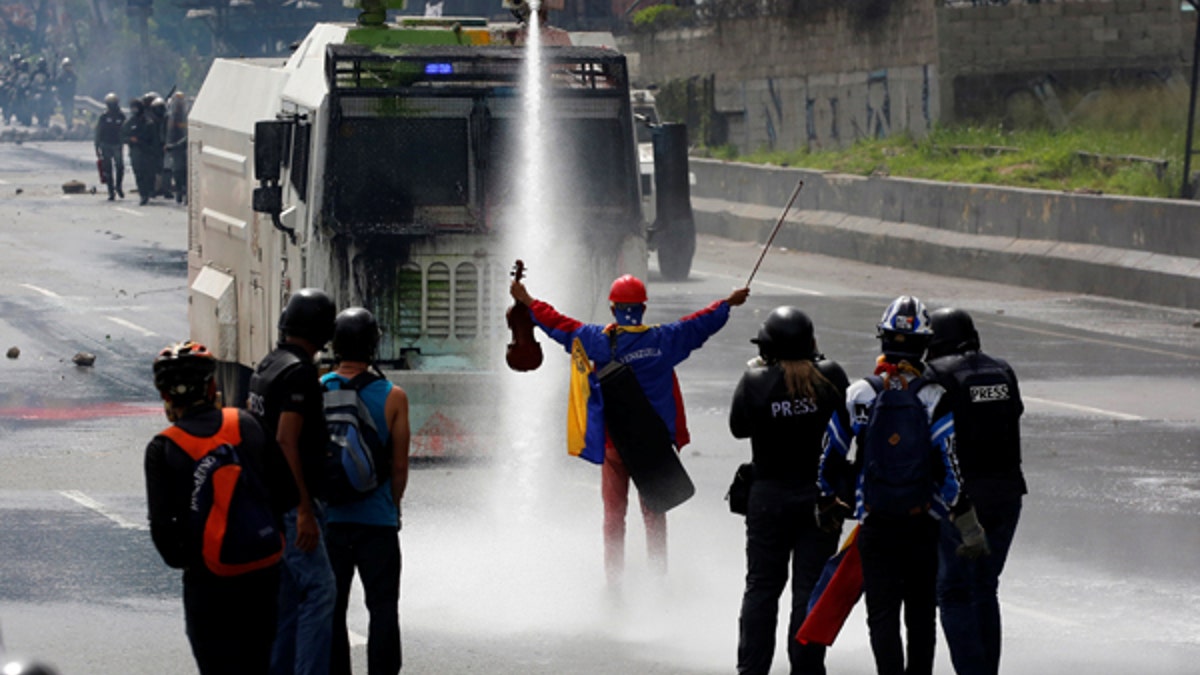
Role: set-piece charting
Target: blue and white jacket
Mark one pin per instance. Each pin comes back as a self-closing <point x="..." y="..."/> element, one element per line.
<point x="838" y="465"/>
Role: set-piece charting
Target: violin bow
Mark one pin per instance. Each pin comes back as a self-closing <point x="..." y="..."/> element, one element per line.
<point x="782" y="217"/>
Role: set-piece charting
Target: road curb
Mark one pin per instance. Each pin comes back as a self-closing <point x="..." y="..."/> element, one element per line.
<point x="1134" y="249"/>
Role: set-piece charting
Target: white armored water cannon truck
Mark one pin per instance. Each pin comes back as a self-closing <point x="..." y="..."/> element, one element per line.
<point x="374" y="163"/>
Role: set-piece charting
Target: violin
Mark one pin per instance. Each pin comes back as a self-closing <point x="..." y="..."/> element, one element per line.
<point x="523" y="353"/>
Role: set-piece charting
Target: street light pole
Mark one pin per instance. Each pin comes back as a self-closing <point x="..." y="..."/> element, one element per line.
<point x="1186" y="191"/>
<point x="140" y="11"/>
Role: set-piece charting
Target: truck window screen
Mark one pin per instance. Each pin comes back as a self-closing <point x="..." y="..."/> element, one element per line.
<point x="385" y="167"/>
<point x="596" y="160"/>
<point x="588" y="161"/>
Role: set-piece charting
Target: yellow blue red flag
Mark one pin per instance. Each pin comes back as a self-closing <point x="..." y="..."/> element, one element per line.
<point x="577" y="399"/>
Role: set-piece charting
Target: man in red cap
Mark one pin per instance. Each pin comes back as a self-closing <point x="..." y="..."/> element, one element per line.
<point x="652" y="352"/>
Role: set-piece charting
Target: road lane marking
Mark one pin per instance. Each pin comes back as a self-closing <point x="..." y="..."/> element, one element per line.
<point x="43" y="291"/>
<point x="784" y="287"/>
<point x="89" y="503"/>
<point x="1045" y="617"/>
<point x="1100" y="341"/>
<point x="356" y="639"/>
<point x="131" y="212"/>
<point x="132" y="326"/>
<point x="1085" y="408"/>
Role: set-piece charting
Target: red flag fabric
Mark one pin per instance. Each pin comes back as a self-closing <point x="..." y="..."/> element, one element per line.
<point x="836" y="592"/>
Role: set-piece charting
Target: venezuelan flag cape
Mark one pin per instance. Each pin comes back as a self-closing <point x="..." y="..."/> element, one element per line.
<point x="585" y="436"/>
<point x="836" y="592"/>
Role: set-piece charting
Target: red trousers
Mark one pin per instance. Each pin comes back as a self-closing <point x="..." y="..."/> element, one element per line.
<point x="614" y="489"/>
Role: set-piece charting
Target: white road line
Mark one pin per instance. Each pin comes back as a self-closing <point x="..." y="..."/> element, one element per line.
<point x="131" y="212"/>
<point x="793" y="289"/>
<point x="89" y="503"/>
<point x="43" y="291"/>
<point x="356" y="640"/>
<point x="1045" y="617"/>
<point x="1086" y="409"/>
<point x="3" y="182"/>
<point x="785" y="287"/>
<point x="1100" y="341"/>
<point x="132" y="326"/>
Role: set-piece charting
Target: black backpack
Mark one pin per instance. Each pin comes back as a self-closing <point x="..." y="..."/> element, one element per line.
<point x="356" y="460"/>
<point x="231" y="525"/>
<point x="898" y="455"/>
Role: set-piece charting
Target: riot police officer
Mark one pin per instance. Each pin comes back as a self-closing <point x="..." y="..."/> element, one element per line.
<point x="782" y="404"/>
<point x="65" y="85"/>
<point x="986" y="401"/>
<point x="140" y="132"/>
<point x="162" y="176"/>
<point x="108" y="145"/>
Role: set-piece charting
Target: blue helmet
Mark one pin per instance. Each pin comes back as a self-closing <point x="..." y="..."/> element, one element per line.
<point x="904" y="329"/>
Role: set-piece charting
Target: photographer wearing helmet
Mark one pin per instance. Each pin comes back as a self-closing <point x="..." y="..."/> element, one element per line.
<point x="782" y="404"/>
<point x="986" y="400"/>
<point x="652" y="352"/>
<point x="362" y="534"/>
<point x="229" y="612"/>
<point x="285" y="395"/>
<point x="108" y="145"/>
<point x="906" y="477"/>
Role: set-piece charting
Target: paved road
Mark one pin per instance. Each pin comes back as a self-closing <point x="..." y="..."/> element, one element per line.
<point x="502" y="558"/>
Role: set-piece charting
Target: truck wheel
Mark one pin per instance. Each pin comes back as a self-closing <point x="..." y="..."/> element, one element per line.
<point x="676" y="248"/>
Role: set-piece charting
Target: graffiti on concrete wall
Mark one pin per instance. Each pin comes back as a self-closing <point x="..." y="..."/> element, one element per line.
<point x="879" y="113"/>
<point x="829" y="111"/>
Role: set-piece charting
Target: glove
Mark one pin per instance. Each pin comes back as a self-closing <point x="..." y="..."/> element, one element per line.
<point x="830" y="515"/>
<point x="974" y="539"/>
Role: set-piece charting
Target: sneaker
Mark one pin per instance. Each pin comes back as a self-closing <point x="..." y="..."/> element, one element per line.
<point x="120" y="193"/>
<point x="110" y="197"/>
<point x="144" y="201"/>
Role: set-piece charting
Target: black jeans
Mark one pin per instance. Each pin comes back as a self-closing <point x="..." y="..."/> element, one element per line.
<point x="231" y="620"/>
<point x="900" y="564"/>
<point x="780" y="527"/>
<point x="375" y="552"/>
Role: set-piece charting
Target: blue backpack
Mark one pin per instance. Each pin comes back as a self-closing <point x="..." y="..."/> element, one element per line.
<point x="898" y="455"/>
<point x="356" y="460"/>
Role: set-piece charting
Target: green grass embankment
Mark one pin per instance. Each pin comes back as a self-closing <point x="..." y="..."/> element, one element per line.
<point x="1110" y="142"/>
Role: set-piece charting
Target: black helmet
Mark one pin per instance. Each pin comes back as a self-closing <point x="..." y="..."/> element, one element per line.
<point x="309" y="315"/>
<point x="184" y="371"/>
<point x="953" y="332"/>
<point x="786" y="334"/>
<point x="136" y="105"/>
<point x="355" y="335"/>
<point x="111" y="100"/>
<point x="904" y="328"/>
